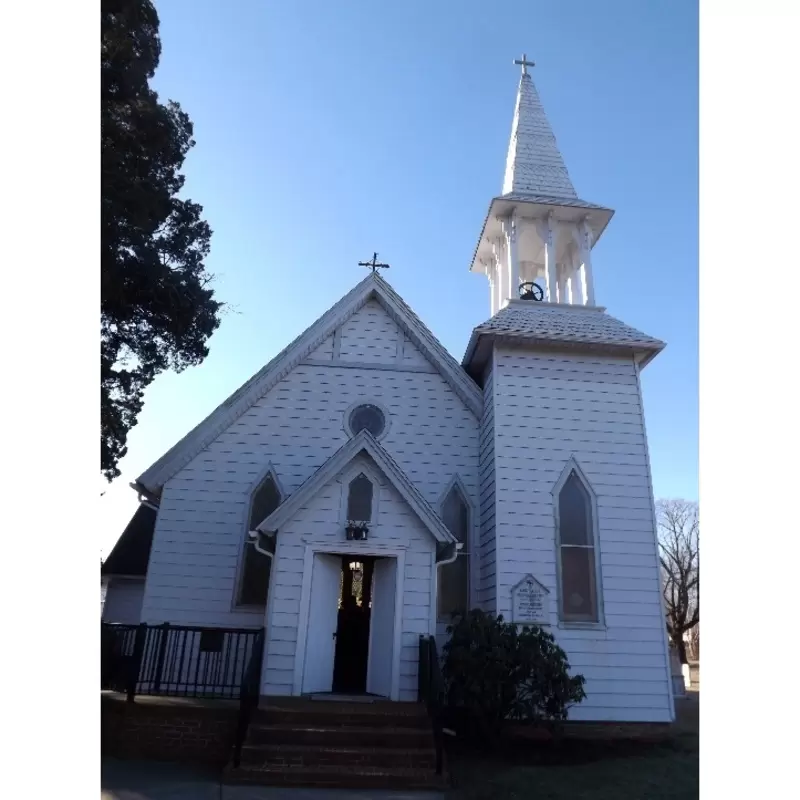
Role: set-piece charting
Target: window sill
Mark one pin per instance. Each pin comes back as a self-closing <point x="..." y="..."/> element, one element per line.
<point x="249" y="607"/>
<point x="582" y="626"/>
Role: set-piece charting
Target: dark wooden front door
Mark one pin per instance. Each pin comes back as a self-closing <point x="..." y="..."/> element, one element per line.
<point x="352" y="632"/>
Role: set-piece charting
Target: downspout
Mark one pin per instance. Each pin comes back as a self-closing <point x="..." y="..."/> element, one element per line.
<point x="459" y="546"/>
<point x="147" y="503"/>
<point x="256" y="537"/>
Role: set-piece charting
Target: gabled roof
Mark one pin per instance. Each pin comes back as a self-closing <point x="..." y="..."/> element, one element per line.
<point x="362" y="443"/>
<point x="587" y="327"/>
<point x="132" y="550"/>
<point x="373" y="287"/>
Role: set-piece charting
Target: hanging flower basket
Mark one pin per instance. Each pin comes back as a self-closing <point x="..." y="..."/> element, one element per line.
<point x="356" y="530"/>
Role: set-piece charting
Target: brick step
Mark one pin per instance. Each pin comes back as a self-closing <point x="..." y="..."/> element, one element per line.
<point x="334" y="754"/>
<point x="341" y="735"/>
<point x="330" y="777"/>
<point x="336" y="718"/>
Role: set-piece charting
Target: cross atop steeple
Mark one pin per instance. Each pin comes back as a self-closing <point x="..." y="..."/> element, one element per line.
<point x="524" y="63"/>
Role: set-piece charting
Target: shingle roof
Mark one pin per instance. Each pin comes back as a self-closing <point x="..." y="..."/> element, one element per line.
<point x="544" y="323"/>
<point x="534" y="163"/>
<point x="132" y="550"/>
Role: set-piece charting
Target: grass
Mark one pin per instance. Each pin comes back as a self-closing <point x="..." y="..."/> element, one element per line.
<point x="618" y="770"/>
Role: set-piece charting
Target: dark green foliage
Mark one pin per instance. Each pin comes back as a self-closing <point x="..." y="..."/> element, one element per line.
<point x="495" y="671"/>
<point x="157" y="310"/>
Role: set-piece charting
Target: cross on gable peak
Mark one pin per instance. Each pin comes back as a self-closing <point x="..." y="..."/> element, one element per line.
<point x="374" y="265"/>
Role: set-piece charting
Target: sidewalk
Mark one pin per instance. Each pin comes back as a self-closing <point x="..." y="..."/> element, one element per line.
<point x="148" y="780"/>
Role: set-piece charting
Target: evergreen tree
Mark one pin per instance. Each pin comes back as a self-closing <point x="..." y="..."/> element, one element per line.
<point x="157" y="307"/>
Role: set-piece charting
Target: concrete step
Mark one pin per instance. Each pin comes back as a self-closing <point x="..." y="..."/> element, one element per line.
<point x="328" y="715"/>
<point x="331" y="777"/>
<point x="359" y="735"/>
<point x="337" y="755"/>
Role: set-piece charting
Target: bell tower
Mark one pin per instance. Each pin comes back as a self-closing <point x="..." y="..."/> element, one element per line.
<point x="538" y="235"/>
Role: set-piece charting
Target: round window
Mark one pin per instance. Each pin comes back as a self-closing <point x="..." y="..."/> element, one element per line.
<point x="367" y="417"/>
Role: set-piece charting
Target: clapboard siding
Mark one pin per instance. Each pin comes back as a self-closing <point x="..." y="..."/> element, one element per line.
<point x="487" y="595"/>
<point x="295" y="428"/>
<point x="412" y="357"/>
<point x="320" y="523"/>
<point x="370" y="335"/>
<point x="549" y="409"/>
<point x="124" y="600"/>
<point x="324" y="352"/>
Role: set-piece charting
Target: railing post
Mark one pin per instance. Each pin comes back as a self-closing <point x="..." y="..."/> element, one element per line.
<point x="136" y="660"/>
<point x="162" y="652"/>
<point x="423" y="674"/>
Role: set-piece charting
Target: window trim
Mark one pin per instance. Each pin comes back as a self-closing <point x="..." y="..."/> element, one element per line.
<point x="599" y="624"/>
<point x="367" y="401"/>
<point x="458" y="484"/>
<point x="267" y="472"/>
<point x="346" y="477"/>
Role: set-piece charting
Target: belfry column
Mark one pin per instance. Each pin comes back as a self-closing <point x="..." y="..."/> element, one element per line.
<point x="563" y="275"/>
<point x="544" y="227"/>
<point x="511" y="230"/>
<point x="499" y="250"/>
<point x="585" y="256"/>
<point x="490" y="274"/>
<point x="575" y="283"/>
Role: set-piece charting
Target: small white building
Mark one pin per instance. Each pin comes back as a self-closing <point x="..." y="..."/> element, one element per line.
<point x="528" y="458"/>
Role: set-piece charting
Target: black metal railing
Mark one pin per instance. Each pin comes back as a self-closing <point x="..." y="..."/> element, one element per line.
<point x="177" y="660"/>
<point x="431" y="692"/>
<point x="248" y="697"/>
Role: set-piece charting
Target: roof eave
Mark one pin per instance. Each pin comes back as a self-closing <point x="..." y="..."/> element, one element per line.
<point x="644" y="353"/>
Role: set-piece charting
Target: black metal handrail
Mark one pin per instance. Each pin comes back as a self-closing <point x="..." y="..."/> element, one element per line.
<point x="177" y="660"/>
<point x="249" y="695"/>
<point x="431" y="692"/>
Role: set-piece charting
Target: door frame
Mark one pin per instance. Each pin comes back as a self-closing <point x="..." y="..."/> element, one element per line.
<point x="355" y="549"/>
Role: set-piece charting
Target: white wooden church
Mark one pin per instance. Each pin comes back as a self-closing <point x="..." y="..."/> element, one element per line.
<point x="365" y="485"/>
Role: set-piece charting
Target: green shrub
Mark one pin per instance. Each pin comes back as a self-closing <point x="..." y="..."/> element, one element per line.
<point x="495" y="671"/>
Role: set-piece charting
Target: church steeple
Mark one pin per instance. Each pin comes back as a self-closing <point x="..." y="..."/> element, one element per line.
<point x="534" y="164"/>
<point x="537" y="238"/>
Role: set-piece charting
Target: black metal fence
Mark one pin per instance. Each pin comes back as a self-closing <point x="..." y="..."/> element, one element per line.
<point x="177" y="660"/>
<point x="431" y="692"/>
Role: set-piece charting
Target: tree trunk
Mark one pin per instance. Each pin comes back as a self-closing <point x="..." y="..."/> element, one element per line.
<point x="681" y="646"/>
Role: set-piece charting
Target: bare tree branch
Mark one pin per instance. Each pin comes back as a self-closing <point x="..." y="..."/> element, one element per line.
<point x="679" y="555"/>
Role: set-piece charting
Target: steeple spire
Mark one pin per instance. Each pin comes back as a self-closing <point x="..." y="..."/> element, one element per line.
<point x="534" y="164"/>
<point x="538" y="235"/>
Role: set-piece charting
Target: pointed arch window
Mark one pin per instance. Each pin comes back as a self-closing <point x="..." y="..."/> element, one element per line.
<point x="577" y="553"/>
<point x="453" y="588"/>
<point x="359" y="498"/>
<point x="254" y="580"/>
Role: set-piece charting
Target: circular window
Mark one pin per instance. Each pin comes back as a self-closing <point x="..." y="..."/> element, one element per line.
<point x="367" y="417"/>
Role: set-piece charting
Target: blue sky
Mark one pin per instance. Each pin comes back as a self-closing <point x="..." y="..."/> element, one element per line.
<point x="328" y="130"/>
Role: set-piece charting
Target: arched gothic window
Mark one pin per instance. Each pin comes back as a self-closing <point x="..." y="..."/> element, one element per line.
<point x="359" y="498"/>
<point x="254" y="581"/>
<point x="453" y="594"/>
<point x="578" y="600"/>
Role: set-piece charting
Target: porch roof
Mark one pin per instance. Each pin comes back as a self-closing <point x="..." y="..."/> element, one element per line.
<point x="132" y="550"/>
<point x="363" y="442"/>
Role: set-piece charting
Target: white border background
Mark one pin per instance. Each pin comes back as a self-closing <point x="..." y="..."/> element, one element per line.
<point x="749" y="285"/>
<point x="50" y="268"/>
<point x="749" y="400"/>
